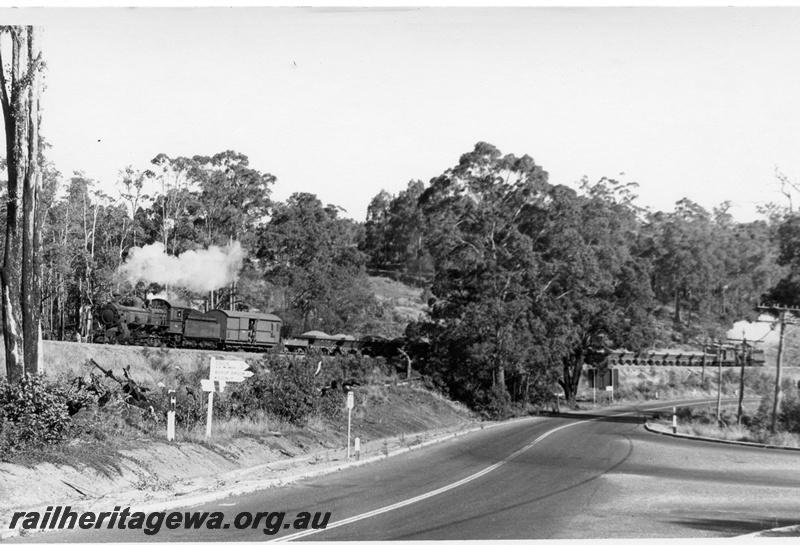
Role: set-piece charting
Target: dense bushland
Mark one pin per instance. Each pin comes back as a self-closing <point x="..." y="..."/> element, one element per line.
<point x="524" y="279"/>
<point x="36" y="413"/>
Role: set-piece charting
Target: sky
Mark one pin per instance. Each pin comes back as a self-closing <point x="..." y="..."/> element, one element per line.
<point x="691" y="102"/>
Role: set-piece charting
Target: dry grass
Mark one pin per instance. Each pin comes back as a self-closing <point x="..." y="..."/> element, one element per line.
<point x="406" y="300"/>
<point x="714" y="431"/>
<point x="224" y="431"/>
<point x="734" y="432"/>
<point x="386" y="288"/>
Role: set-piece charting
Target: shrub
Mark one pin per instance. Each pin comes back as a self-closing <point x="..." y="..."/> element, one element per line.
<point x="289" y="389"/>
<point x="790" y="412"/>
<point x="495" y="404"/>
<point x="33" y="413"/>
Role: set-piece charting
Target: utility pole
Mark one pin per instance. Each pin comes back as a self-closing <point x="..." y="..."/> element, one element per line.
<point x="776" y="404"/>
<point x="747" y="347"/>
<point x="743" y="357"/>
<point x="719" y="381"/>
<point x="783" y="314"/>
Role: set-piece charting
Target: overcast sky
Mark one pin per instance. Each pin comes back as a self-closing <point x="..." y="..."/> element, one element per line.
<point x="701" y="103"/>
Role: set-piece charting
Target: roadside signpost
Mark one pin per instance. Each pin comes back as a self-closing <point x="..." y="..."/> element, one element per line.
<point x="350" y="405"/>
<point x="222" y="371"/>
<point x="603" y="379"/>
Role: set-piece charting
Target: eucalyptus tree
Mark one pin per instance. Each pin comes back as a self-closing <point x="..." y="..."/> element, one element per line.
<point x="476" y="216"/>
<point x="395" y="232"/>
<point x="595" y="291"/>
<point x="20" y="90"/>
<point x="531" y="279"/>
<point x="312" y="254"/>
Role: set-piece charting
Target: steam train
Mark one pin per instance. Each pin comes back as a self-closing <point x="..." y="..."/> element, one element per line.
<point x="160" y="323"/>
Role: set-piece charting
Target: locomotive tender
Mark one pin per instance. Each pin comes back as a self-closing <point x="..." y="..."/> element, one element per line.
<point x="160" y="323"/>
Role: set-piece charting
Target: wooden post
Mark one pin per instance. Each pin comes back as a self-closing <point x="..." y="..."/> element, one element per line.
<point x="408" y="363"/>
<point x="350" y="405"/>
<point x="741" y="384"/>
<point x="719" y="382"/>
<point x="777" y="402"/>
<point x="703" y="372"/>
<point x="208" y="415"/>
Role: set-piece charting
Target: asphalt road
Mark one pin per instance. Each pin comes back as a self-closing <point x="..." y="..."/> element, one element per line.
<point x="569" y="476"/>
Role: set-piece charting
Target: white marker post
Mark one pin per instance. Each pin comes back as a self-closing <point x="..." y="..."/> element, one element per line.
<point x="222" y="371"/>
<point x="350" y="405"/>
<point x="171" y="416"/>
<point x="358" y="448"/>
<point x="674" y="421"/>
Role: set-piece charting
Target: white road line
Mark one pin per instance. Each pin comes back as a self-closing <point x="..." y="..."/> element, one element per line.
<point x="466" y="480"/>
<point x="436" y="492"/>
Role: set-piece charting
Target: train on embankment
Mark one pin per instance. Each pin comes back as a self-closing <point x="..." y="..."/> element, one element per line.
<point x="157" y="322"/>
<point x="728" y="356"/>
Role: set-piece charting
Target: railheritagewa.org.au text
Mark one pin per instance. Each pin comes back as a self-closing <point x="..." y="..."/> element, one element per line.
<point x="64" y="518"/>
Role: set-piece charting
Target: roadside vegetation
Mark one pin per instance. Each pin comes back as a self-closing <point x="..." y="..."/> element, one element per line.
<point x="755" y="425"/>
<point x="96" y="411"/>
<point x="666" y="383"/>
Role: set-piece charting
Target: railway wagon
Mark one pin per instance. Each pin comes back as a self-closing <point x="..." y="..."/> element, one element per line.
<point x="727" y="358"/>
<point x="246" y="329"/>
<point x="160" y="323"/>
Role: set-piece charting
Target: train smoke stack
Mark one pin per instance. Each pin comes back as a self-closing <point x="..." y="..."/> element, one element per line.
<point x="196" y="270"/>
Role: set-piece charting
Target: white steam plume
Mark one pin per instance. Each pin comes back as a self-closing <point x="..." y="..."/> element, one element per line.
<point x="196" y="270"/>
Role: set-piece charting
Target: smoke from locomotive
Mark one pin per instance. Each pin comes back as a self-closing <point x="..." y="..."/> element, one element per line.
<point x="199" y="271"/>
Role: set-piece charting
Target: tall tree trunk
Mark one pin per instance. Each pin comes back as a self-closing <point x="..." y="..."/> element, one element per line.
<point x="19" y="94"/>
<point x="14" y="113"/>
<point x="32" y="184"/>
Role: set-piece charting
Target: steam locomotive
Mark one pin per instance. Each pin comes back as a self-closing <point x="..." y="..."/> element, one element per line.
<point x="160" y="323"/>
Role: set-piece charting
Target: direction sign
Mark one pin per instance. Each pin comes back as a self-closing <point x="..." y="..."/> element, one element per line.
<point x="229" y="370"/>
<point x="209" y="385"/>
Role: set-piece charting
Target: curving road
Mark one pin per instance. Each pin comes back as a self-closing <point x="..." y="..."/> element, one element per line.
<point x="569" y="476"/>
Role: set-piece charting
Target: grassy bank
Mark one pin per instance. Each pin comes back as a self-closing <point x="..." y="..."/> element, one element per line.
<point x="755" y="425"/>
